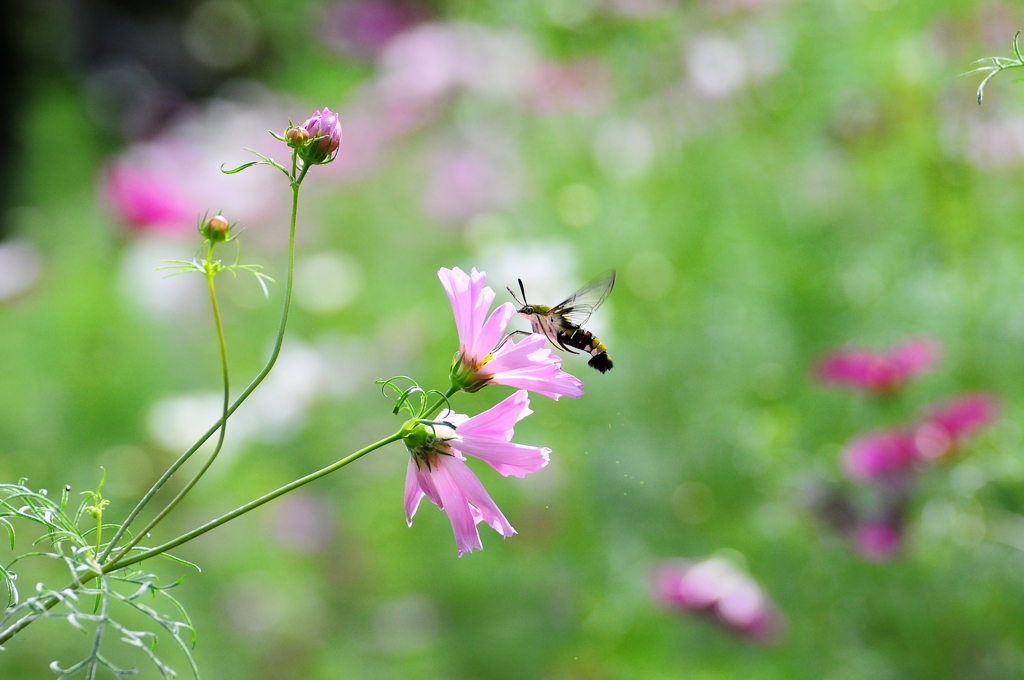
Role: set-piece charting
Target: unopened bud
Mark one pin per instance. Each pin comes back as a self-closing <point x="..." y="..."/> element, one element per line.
<point x="296" y="137"/>
<point x="323" y="137"/>
<point x="216" y="228"/>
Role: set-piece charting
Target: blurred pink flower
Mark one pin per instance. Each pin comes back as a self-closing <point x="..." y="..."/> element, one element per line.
<point x="437" y="469"/>
<point x="145" y="200"/>
<point x="432" y="60"/>
<point x="715" y="587"/>
<point x="878" y="372"/>
<point x="582" y="87"/>
<point x="879" y="454"/>
<point x="164" y="184"/>
<point x="947" y="425"/>
<point x="877" y="541"/>
<point x="303" y="522"/>
<point x="468" y="182"/>
<point x="364" y="27"/>
<point x="527" y="364"/>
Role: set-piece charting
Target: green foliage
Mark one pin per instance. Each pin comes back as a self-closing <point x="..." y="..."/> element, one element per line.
<point x="995" y="65"/>
<point x="90" y="601"/>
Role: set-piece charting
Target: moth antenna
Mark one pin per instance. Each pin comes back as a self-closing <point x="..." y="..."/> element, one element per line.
<point x="523" y="290"/>
<point x="509" y="289"/>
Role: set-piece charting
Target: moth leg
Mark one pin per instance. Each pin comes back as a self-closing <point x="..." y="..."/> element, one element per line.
<point x="509" y="337"/>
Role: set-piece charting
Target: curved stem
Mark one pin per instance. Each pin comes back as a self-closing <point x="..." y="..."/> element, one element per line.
<point x="252" y="505"/>
<point x="210" y="273"/>
<point x="440" y="402"/>
<point x="245" y="393"/>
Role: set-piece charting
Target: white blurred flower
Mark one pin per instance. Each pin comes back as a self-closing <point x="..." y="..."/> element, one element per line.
<point x="156" y="292"/>
<point x="19" y="268"/>
<point x="624" y="148"/>
<point x="717" y="67"/>
<point x="327" y="281"/>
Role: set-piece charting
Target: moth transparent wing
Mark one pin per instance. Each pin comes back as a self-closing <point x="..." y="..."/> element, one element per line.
<point x="578" y="307"/>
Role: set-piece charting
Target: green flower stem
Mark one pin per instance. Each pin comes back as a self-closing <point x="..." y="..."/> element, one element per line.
<point x="252" y="505"/>
<point x="112" y="565"/>
<point x="210" y="273"/>
<point x="296" y="183"/>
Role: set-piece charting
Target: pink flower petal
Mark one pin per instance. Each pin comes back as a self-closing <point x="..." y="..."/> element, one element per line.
<point x="963" y="416"/>
<point x="476" y="494"/>
<point x="455" y="504"/>
<point x="499" y="421"/>
<point x="427" y="486"/>
<point x="471" y="300"/>
<point x="492" y="331"/>
<point x="879" y="454"/>
<point x="878" y="372"/>
<point x="413" y="492"/>
<point x="529" y="365"/>
<point x="507" y="458"/>
<point x="914" y="356"/>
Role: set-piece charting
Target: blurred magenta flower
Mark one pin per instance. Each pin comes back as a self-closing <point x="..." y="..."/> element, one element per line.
<point x="364" y="27"/>
<point x="145" y="200"/>
<point x="878" y="372"/>
<point x="716" y="588"/>
<point x="480" y="361"/>
<point x="879" y="454"/>
<point x="947" y="425"/>
<point x="437" y="469"/>
<point x="877" y="541"/>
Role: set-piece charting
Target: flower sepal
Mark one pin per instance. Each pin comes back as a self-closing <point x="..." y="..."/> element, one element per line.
<point x="425" y="443"/>
<point x="466" y="377"/>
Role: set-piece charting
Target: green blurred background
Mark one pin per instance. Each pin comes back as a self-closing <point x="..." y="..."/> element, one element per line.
<point x="769" y="178"/>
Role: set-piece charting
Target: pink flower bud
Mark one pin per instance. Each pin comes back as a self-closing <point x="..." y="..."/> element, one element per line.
<point x="323" y="132"/>
<point x="216" y="228"/>
<point x="296" y="137"/>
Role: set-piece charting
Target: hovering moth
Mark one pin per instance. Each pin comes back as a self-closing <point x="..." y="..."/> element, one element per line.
<point x="563" y="323"/>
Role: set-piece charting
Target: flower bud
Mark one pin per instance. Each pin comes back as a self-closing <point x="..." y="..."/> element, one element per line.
<point x="323" y="137"/>
<point x="296" y="137"/>
<point x="216" y="228"/>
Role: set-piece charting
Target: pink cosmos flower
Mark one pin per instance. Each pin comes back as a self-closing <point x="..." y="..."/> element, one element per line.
<point x="949" y="424"/>
<point x="879" y="454"/>
<point x="526" y="364"/>
<point x="878" y="372"/>
<point x="437" y="467"/>
<point x="877" y="541"/>
<point x="716" y="588"/>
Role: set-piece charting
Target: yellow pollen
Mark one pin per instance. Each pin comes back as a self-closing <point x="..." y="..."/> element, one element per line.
<point x="484" y="361"/>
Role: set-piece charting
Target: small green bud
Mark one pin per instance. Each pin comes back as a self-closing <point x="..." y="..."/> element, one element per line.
<point x="216" y="228"/>
<point x="296" y="137"/>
